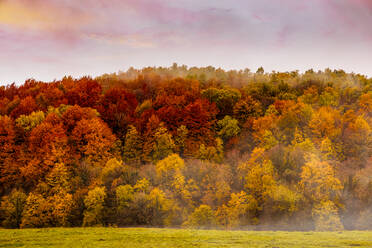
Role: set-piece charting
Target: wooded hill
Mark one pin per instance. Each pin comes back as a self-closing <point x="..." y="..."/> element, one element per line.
<point x="179" y="146"/>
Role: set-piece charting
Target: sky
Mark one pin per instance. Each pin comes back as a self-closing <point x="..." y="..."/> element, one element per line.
<point x="48" y="39"/>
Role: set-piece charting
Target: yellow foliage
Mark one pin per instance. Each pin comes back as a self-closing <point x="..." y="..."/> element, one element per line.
<point x="318" y="180"/>
<point x="167" y="168"/>
<point x="326" y="217"/>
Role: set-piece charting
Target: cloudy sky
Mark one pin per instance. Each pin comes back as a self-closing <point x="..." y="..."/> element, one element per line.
<point x="47" y="39"/>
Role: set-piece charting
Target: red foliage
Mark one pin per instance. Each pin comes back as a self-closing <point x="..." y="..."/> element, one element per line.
<point x="117" y="109"/>
<point x="25" y="107"/>
<point x="85" y="93"/>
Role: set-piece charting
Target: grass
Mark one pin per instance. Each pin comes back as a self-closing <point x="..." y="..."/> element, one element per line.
<point x="169" y="238"/>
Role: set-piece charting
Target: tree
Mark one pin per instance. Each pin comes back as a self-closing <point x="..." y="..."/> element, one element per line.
<point x="318" y="180"/>
<point x="117" y="108"/>
<point x="25" y="107"/>
<point x="159" y="206"/>
<point x="169" y="167"/>
<point x="51" y="200"/>
<point x="364" y="221"/>
<point x="164" y="144"/>
<point x="284" y="202"/>
<point x="28" y="122"/>
<point x="326" y="217"/>
<point x="124" y="196"/>
<point x="326" y="123"/>
<point x="329" y="97"/>
<point x="212" y="153"/>
<point x="71" y="115"/>
<point x="36" y="212"/>
<point x="111" y="173"/>
<point x="328" y="149"/>
<point x="85" y="92"/>
<point x="202" y="217"/>
<point x="9" y="170"/>
<point x="228" y="128"/>
<point x="61" y="205"/>
<point x="241" y="210"/>
<point x="48" y="145"/>
<point x="246" y="108"/>
<point x="365" y="102"/>
<point x="260" y="181"/>
<point x="95" y="204"/>
<point x="11" y="208"/>
<point x="260" y="70"/>
<point x="357" y="139"/>
<point x="225" y="99"/>
<point x="93" y="140"/>
<point x="180" y="139"/>
<point x="199" y="118"/>
<point x="259" y="169"/>
<point x="132" y="150"/>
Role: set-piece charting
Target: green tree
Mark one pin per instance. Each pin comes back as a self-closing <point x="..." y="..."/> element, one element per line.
<point x="228" y="128"/>
<point x="95" y="204"/>
<point x="28" y="122"/>
<point x="133" y="146"/>
<point x="225" y="99"/>
<point x="124" y="195"/>
<point x="164" y="144"/>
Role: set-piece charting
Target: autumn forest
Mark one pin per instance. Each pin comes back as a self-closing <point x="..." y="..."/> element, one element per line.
<point x="188" y="147"/>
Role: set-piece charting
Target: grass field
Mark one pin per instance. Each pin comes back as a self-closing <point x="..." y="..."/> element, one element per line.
<point x="168" y="238"/>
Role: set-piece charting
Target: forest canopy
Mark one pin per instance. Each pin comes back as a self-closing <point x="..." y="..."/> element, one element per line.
<point x="188" y="147"/>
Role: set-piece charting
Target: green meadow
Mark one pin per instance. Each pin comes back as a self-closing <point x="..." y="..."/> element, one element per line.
<point x="167" y="238"/>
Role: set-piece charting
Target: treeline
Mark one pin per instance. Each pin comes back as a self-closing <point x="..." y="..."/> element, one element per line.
<point x="191" y="147"/>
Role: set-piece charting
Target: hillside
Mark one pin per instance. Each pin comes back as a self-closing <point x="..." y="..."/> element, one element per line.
<point x="188" y="147"/>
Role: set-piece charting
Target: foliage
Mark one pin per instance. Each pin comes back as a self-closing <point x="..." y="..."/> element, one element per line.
<point x="11" y="208"/>
<point x="28" y="122"/>
<point x="326" y="217"/>
<point x="195" y="146"/>
<point x="202" y="217"/>
<point x="94" y="203"/>
<point x="228" y="127"/>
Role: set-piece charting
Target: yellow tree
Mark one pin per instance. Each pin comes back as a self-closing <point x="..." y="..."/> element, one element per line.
<point x="258" y="177"/>
<point x="202" y="217"/>
<point x="241" y="210"/>
<point x="326" y="122"/>
<point x="322" y="188"/>
<point x="169" y="167"/>
<point x="318" y="180"/>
